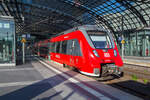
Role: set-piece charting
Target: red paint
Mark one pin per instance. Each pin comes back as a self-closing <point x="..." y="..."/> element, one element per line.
<point x="88" y="61"/>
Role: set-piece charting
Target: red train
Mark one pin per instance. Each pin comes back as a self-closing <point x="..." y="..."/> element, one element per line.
<point x="41" y="48"/>
<point x="88" y="48"/>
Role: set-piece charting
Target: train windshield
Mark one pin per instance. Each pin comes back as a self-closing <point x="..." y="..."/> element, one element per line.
<point x="100" y="40"/>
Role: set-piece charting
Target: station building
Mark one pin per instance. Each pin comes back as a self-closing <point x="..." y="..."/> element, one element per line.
<point x="138" y="43"/>
<point x="137" y="40"/>
<point x="7" y="41"/>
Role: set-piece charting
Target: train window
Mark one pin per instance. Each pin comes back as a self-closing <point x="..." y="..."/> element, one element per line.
<point x="60" y="49"/>
<point x="46" y="50"/>
<point x="100" y="40"/>
<point x="64" y="47"/>
<point x="49" y="47"/>
<point x="52" y="47"/>
<point x="57" y="47"/>
<point x="43" y="50"/>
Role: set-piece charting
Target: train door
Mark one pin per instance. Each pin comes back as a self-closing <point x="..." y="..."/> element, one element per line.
<point x="52" y="50"/>
<point x="72" y="57"/>
<point x="77" y="54"/>
<point x="70" y="50"/>
<point x="57" y="55"/>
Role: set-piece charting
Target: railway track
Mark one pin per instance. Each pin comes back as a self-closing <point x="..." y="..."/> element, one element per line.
<point x="141" y="72"/>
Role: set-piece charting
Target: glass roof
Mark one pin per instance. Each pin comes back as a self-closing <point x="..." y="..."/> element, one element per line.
<point x="48" y="17"/>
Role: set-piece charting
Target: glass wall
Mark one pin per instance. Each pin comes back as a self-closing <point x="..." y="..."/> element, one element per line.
<point x="7" y="41"/>
<point x="147" y="43"/>
<point x="138" y="43"/>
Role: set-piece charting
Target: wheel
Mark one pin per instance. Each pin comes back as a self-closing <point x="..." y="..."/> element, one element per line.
<point x="64" y="65"/>
<point x="121" y="74"/>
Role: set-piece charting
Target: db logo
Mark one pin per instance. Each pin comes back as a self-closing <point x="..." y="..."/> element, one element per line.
<point x="106" y="55"/>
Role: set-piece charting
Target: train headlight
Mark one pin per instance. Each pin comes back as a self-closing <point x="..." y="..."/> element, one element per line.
<point x="95" y="53"/>
<point x="115" y="53"/>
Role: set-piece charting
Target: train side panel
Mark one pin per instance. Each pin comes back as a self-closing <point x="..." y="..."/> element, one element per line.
<point x="81" y="61"/>
<point x="80" y="54"/>
<point x="74" y="56"/>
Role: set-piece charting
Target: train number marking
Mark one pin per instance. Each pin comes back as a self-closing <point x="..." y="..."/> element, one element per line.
<point x="106" y="55"/>
<point x="57" y="56"/>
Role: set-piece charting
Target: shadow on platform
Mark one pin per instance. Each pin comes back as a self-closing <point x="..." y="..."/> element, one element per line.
<point x="134" y="88"/>
<point x="38" y="89"/>
<point x="131" y="87"/>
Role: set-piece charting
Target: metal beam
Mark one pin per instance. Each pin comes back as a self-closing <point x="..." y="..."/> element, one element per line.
<point x="9" y="10"/>
<point x="93" y="14"/>
<point x="1" y="3"/>
<point x="140" y="1"/>
<point x="48" y="9"/>
<point x="17" y="8"/>
<point x="133" y="10"/>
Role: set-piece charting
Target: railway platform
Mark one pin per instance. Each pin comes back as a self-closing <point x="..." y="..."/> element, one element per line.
<point x="140" y="61"/>
<point x="137" y="66"/>
<point x="43" y="80"/>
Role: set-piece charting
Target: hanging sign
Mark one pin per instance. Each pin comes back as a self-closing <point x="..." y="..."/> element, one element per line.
<point x="23" y="40"/>
<point x="123" y="41"/>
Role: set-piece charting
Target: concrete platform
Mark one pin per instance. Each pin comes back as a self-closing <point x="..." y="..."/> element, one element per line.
<point x="82" y="81"/>
<point x="43" y="80"/>
<point x="140" y="61"/>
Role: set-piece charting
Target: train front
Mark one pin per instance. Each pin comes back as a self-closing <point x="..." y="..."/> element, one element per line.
<point x="105" y="53"/>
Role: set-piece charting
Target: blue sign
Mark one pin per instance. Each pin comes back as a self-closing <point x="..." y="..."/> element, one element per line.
<point x="23" y="35"/>
<point x="28" y="36"/>
<point x="120" y="39"/>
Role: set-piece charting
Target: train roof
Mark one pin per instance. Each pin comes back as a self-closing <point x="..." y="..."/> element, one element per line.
<point x="83" y="27"/>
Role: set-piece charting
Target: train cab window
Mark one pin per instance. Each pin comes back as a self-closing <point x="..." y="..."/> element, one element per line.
<point x="100" y="40"/>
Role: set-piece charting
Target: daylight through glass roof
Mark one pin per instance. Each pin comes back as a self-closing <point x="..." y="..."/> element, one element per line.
<point x="48" y="17"/>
